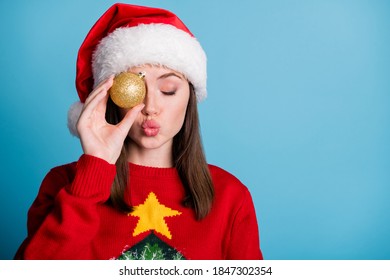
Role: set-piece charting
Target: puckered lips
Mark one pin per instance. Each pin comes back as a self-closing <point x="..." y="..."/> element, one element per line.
<point x="151" y="128"/>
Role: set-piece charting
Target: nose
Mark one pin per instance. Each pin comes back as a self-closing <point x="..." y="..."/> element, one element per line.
<point x="151" y="103"/>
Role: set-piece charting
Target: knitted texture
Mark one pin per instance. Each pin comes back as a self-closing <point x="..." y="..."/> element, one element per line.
<point x="70" y="220"/>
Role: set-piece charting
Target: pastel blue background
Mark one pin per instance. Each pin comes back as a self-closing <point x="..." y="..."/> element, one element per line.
<point x="298" y="109"/>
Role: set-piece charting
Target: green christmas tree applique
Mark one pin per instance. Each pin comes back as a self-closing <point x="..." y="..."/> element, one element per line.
<point x="151" y="248"/>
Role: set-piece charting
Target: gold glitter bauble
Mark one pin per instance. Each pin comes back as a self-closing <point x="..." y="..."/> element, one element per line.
<point x="128" y="90"/>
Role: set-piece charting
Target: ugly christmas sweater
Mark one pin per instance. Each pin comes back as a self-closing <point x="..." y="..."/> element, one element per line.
<point x="69" y="219"/>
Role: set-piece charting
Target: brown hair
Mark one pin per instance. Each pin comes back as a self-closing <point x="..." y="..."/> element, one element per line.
<point x="188" y="157"/>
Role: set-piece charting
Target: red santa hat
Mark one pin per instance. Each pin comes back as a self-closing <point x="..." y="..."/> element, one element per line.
<point x="126" y="36"/>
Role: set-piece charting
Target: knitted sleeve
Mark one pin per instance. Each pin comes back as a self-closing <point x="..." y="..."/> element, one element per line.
<point x="63" y="219"/>
<point x="244" y="238"/>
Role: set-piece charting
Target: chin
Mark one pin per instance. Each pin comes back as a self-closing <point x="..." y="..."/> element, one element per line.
<point x="148" y="142"/>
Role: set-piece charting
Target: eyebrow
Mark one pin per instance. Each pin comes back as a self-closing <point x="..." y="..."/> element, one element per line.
<point x="169" y="75"/>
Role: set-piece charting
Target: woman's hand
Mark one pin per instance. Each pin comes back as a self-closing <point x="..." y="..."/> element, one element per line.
<point x="99" y="138"/>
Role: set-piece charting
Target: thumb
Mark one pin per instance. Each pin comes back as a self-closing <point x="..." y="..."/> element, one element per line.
<point x="129" y="118"/>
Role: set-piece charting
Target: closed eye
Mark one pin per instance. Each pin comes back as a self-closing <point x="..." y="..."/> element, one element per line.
<point x="168" y="92"/>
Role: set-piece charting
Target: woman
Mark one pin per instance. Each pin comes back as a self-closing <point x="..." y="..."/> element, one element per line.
<point x="142" y="188"/>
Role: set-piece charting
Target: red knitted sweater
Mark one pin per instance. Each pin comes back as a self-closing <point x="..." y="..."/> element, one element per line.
<point x="69" y="219"/>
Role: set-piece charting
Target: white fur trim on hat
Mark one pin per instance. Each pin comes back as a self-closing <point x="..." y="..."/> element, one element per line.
<point x="157" y="44"/>
<point x="73" y="116"/>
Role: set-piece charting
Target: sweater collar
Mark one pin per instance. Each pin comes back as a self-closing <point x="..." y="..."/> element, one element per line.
<point x="149" y="171"/>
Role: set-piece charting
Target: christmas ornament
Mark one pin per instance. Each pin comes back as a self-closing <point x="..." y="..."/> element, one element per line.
<point x="128" y="89"/>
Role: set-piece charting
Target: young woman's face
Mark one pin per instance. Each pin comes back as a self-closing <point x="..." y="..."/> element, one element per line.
<point x="166" y="100"/>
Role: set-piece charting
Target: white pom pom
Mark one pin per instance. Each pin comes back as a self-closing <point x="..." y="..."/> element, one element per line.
<point x="73" y="116"/>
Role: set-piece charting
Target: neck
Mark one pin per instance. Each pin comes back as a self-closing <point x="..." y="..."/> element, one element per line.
<point x="158" y="157"/>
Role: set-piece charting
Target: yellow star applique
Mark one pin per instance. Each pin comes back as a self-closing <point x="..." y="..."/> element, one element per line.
<point x="151" y="216"/>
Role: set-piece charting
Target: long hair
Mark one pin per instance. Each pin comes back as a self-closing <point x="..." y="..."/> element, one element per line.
<point x="188" y="158"/>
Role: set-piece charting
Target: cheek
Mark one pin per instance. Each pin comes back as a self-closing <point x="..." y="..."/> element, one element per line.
<point x="181" y="116"/>
<point x="180" y="110"/>
<point x="176" y="115"/>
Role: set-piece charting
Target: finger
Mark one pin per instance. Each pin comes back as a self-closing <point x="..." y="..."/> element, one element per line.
<point x="100" y="90"/>
<point x="89" y="108"/>
<point x="101" y="105"/>
<point x="111" y="77"/>
<point x="103" y="86"/>
<point x="129" y="118"/>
